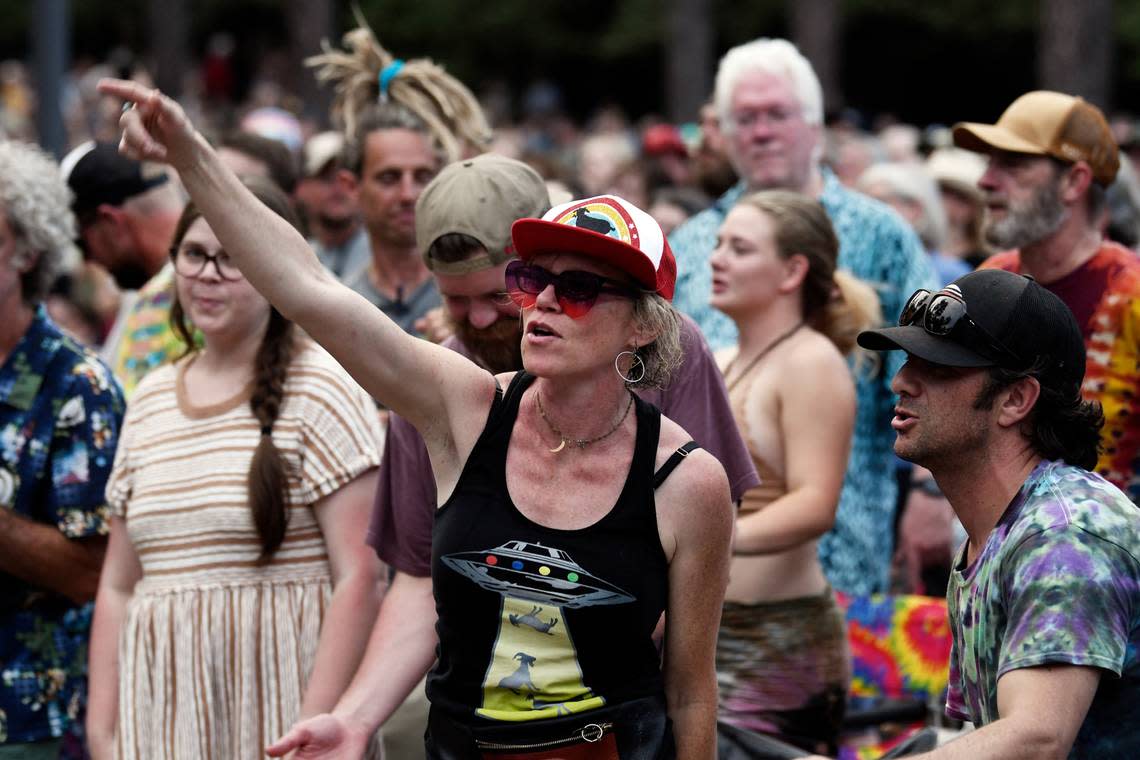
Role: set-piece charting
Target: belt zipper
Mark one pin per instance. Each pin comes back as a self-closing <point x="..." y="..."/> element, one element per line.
<point x="591" y="732"/>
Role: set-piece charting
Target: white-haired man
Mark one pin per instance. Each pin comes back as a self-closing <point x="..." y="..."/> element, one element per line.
<point x="771" y="111"/>
<point x="60" y="413"/>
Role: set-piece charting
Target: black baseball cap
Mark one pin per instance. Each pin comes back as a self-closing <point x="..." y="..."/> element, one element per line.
<point x="1034" y="325"/>
<point x="97" y="173"/>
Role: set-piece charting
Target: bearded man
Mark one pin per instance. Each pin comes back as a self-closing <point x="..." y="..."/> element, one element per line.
<point x="1051" y="158"/>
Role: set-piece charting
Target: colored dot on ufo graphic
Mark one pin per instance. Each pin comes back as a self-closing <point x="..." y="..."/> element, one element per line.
<point x="533" y="670"/>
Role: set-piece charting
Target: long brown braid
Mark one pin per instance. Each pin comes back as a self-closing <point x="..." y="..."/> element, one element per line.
<point x="420" y="87"/>
<point x="268" y="474"/>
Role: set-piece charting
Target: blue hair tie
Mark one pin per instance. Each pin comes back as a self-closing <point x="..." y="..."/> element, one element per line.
<point x="387" y="74"/>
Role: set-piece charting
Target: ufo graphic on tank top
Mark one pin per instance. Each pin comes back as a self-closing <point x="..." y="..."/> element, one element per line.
<point x="533" y="672"/>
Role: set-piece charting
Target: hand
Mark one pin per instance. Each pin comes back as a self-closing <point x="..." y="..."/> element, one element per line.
<point x="926" y="536"/>
<point x="155" y="128"/>
<point x="435" y="325"/>
<point x="322" y="737"/>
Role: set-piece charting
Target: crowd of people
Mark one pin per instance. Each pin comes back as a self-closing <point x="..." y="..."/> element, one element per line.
<point x="420" y="437"/>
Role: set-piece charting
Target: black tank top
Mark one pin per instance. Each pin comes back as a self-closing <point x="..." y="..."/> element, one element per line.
<point x="536" y="622"/>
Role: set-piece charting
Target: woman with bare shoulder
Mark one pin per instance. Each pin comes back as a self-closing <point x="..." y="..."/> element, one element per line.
<point x="782" y="660"/>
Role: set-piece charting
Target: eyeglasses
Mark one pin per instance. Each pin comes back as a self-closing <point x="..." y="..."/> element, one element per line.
<point x="576" y="290"/>
<point x="191" y="261"/>
<point x="944" y="314"/>
<point x="773" y="117"/>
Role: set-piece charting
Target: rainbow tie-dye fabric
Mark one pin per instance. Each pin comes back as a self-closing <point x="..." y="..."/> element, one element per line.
<point x="1058" y="582"/>
<point x="1104" y="294"/>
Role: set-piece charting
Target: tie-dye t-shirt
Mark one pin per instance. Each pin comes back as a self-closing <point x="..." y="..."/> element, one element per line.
<point x="1104" y="295"/>
<point x="1058" y="581"/>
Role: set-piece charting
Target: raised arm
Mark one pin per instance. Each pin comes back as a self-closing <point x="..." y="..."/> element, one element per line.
<point x="817" y="414"/>
<point x="423" y="382"/>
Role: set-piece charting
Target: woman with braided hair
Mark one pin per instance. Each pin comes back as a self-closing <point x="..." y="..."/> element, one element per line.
<point x="240" y="488"/>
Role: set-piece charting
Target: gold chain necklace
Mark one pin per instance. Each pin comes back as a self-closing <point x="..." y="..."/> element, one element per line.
<point x="756" y="359"/>
<point x="579" y="442"/>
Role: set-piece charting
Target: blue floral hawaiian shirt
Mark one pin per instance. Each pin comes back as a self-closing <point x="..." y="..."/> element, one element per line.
<point x="878" y="247"/>
<point x="60" y="412"/>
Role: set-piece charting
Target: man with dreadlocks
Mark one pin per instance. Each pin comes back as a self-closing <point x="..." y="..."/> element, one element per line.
<point x="403" y="120"/>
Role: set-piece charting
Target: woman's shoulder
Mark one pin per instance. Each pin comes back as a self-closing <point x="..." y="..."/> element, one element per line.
<point x="695" y="497"/>
<point x="706" y="469"/>
<point x="810" y="351"/>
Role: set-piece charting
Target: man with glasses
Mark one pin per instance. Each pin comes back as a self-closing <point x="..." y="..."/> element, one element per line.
<point x="770" y="106"/>
<point x="1051" y="158"/>
<point x="1045" y="593"/>
<point x="463" y="223"/>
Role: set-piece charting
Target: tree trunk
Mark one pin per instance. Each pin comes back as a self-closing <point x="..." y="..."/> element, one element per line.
<point x="51" y="40"/>
<point x="1074" y="53"/>
<point x="816" y="26"/>
<point x="169" y="24"/>
<point x="310" y="22"/>
<point x="688" y="58"/>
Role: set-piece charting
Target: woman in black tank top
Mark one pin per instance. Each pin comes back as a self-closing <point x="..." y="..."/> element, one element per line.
<point x="561" y="541"/>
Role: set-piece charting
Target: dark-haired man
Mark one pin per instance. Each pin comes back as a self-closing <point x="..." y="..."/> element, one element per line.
<point x="393" y="158"/>
<point x="1045" y="594"/>
<point x="127" y="211"/>
<point x="1051" y="158"/>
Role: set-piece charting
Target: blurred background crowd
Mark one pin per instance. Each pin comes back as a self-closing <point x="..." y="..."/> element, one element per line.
<point x="604" y="97"/>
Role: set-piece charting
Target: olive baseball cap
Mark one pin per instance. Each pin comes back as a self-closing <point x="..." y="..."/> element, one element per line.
<point x="1048" y="123"/>
<point x="480" y="197"/>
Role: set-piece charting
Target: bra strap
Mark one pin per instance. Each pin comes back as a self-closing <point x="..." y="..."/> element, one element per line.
<point x="672" y="462"/>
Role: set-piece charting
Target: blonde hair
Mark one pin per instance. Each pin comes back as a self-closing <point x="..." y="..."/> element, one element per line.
<point x="664" y="355"/>
<point x="451" y="114"/>
<point x="834" y="302"/>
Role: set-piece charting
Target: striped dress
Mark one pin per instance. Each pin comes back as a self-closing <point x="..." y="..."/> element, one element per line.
<point x="215" y="648"/>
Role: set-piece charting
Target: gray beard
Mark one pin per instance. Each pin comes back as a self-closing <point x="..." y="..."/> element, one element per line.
<point x="1037" y="220"/>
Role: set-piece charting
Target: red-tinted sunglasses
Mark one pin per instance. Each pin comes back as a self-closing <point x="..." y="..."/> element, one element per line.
<point x="576" y="290"/>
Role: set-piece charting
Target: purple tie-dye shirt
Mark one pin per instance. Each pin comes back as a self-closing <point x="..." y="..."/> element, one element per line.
<point x="1057" y="582"/>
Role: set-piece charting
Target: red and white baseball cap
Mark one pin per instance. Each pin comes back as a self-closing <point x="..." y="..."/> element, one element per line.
<point x="607" y="228"/>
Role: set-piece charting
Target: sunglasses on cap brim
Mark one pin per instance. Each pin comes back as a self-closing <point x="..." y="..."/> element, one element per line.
<point x="944" y="315"/>
<point x="576" y="291"/>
